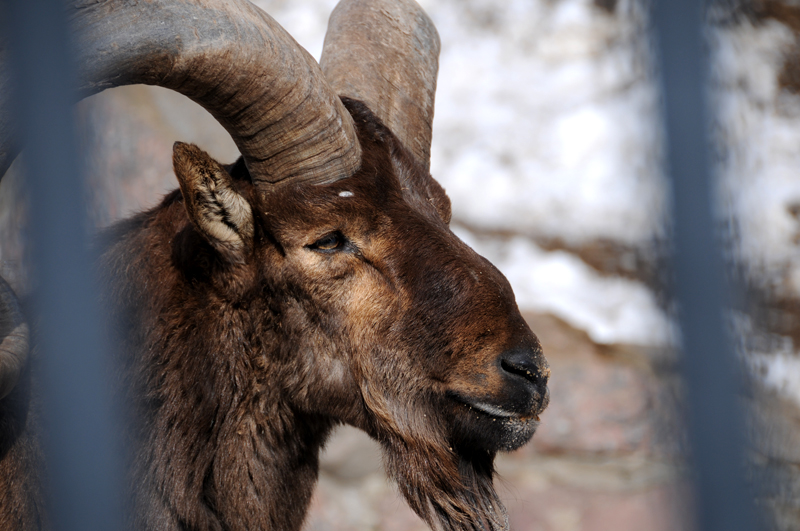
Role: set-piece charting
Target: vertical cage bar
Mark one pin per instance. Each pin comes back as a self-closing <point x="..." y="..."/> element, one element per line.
<point x="716" y="428"/>
<point x="80" y="448"/>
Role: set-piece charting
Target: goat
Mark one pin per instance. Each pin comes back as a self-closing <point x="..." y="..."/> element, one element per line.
<point x="313" y="282"/>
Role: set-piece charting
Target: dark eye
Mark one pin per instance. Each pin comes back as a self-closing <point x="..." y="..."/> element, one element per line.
<point x="329" y="243"/>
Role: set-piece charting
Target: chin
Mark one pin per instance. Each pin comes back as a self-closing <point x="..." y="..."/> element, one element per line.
<point x="479" y="427"/>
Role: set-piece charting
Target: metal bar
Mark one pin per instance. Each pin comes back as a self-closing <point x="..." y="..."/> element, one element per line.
<point x="83" y="465"/>
<point x="716" y="429"/>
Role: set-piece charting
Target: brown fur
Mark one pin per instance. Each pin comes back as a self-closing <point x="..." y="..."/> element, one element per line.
<point x="21" y="498"/>
<point x="350" y="302"/>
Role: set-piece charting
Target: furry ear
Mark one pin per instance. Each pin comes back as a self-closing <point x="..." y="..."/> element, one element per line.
<point x="419" y="187"/>
<point x="217" y="211"/>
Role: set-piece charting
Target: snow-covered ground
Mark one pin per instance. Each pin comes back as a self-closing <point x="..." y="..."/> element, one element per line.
<point x="546" y="119"/>
<point x="545" y="127"/>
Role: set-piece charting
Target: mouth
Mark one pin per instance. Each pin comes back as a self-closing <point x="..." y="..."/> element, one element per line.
<point x="492" y="410"/>
<point x="479" y="424"/>
<point x="497" y="412"/>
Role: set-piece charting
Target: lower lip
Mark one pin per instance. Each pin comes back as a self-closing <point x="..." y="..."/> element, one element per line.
<point x="505" y="415"/>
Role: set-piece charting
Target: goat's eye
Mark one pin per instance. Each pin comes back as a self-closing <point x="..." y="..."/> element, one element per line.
<point x="330" y="242"/>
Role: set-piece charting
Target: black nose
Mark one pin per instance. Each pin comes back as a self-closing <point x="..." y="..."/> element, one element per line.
<point x="526" y="374"/>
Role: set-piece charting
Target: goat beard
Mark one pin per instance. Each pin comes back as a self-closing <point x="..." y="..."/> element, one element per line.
<point x="449" y="484"/>
<point x="450" y="491"/>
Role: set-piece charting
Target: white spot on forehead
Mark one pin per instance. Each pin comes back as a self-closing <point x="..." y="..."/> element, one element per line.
<point x="346" y="193"/>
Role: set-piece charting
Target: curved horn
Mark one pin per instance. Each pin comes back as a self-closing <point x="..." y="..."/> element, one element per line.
<point x="386" y="54"/>
<point x="238" y="63"/>
<point x="13" y="340"/>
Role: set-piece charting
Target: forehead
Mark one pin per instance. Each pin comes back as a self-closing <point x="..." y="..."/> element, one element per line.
<point x="370" y="192"/>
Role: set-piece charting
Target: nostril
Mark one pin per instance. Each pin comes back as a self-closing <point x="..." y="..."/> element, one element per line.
<point x="529" y="373"/>
<point x="522" y="363"/>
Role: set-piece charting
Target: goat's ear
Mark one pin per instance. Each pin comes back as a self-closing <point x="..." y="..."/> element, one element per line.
<point x="419" y="187"/>
<point x="438" y="198"/>
<point x="222" y="215"/>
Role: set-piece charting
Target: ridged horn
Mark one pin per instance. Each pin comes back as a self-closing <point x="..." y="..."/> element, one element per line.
<point x="386" y="54"/>
<point x="235" y="61"/>
<point x="14" y="340"/>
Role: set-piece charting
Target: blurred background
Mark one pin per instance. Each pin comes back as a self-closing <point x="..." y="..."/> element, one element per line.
<point x="548" y="140"/>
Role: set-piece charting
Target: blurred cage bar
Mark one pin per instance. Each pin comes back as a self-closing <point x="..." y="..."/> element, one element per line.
<point x="716" y="428"/>
<point x="83" y="452"/>
<point x="82" y="457"/>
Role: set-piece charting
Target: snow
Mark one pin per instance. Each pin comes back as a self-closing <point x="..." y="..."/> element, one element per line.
<point x="761" y="133"/>
<point x="546" y="113"/>
<point x="779" y="371"/>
